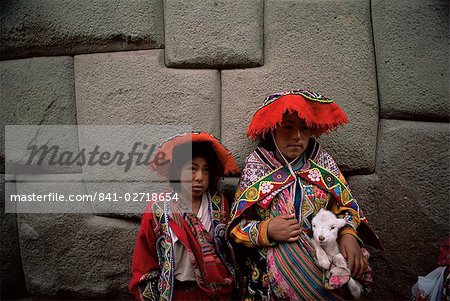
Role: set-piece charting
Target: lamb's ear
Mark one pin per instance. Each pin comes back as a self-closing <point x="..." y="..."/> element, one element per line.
<point x="341" y="223"/>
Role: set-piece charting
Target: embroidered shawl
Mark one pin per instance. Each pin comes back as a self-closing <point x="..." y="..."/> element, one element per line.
<point x="153" y="257"/>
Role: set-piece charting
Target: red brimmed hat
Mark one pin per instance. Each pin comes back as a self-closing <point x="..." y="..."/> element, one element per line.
<point x="226" y="160"/>
<point x="321" y="114"/>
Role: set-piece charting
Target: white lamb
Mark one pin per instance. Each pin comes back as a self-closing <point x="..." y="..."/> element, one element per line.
<point x="325" y="231"/>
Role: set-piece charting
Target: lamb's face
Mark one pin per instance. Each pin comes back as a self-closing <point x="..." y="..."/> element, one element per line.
<point x="326" y="226"/>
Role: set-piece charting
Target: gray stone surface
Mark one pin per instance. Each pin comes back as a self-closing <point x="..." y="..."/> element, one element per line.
<point x="407" y="202"/>
<point x="135" y="88"/>
<point x="366" y="189"/>
<point x="39" y="91"/>
<point x="76" y="256"/>
<point x="46" y="27"/>
<point x="72" y="255"/>
<point x="213" y="34"/>
<point x="411" y="43"/>
<point x="323" y="46"/>
<point x="228" y="187"/>
<point x="12" y="278"/>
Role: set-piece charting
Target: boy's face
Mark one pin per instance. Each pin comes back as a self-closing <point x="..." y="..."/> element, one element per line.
<point x="194" y="177"/>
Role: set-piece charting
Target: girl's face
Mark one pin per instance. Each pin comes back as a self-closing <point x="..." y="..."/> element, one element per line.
<point x="194" y="177"/>
<point x="292" y="136"/>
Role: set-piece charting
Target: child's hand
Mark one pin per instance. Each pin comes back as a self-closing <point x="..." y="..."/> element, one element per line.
<point x="351" y="250"/>
<point x="284" y="228"/>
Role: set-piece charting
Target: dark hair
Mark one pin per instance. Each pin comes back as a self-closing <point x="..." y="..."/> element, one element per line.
<point x="267" y="143"/>
<point x="181" y="154"/>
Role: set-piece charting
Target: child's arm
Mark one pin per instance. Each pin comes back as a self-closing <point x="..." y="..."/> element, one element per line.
<point x="349" y="242"/>
<point x="144" y="254"/>
<point x="251" y="233"/>
<point x="350" y="249"/>
<point x="255" y="233"/>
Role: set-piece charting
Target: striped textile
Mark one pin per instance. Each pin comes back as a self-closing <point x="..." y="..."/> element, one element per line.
<point x="293" y="273"/>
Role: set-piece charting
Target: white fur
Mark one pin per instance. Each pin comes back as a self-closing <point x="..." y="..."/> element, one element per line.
<point x="325" y="231"/>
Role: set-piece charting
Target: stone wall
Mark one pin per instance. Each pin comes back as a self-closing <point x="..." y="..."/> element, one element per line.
<point x="210" y="64"/>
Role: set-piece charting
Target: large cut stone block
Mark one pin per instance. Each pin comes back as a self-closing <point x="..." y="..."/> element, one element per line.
<point x="46" y="27"/>
<point x="80" y="256"/>
<point x="213" y="34"/>
<point x="135" y="88"/>
<point x="407" y="202"/>
<point x="38" y="91"/>
<point x="12" y="278"/>
<point x="411" y="42"/>
<point x="323" y="46"/>
<point x="67" y="254"/>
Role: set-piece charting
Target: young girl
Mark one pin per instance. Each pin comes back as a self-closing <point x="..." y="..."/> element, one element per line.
<point x="181" y="252"/>
<point x="285" y="182"/>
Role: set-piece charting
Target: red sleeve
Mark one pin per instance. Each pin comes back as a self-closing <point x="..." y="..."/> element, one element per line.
<point x="144" y="256"/>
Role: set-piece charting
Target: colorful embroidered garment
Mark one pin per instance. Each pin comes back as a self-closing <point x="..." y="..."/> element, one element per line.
<point x="210" y="272"/>
<point x="288" y="270"/>
<point x="153" y="257"/>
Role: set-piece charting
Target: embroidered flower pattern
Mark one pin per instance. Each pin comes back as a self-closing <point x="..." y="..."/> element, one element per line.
<point x="314" y="175"/>
<point x="266" y="187"/>
<point x="309" y="190"/>
<point x="338" y="281"/>
<point x="279" y="176"/>
<point x="253" y="177"/>
<point x="305" y="93"/>
<point x="251" y="194"/>
<point x="319" y="193"/>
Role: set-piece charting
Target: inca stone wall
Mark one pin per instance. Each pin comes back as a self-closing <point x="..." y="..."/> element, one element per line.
<point x="210" y="64"/>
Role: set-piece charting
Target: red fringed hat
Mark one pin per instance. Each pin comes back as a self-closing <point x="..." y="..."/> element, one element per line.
<point x="225" y="158"/>
<point x="321" y="114"/>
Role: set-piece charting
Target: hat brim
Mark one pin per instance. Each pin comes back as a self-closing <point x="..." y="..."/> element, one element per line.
<point x="319" y="117"/>
<point x="226" y="160"/>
